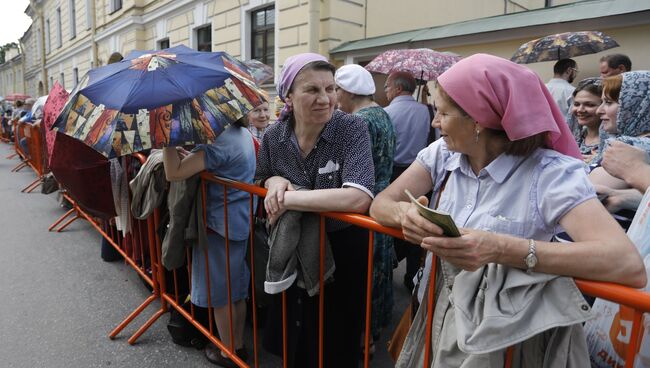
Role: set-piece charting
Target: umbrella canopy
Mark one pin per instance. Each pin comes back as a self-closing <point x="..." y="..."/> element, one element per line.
<point x="261" y="72"/>
<point x="151" y="99"/>
<point x="16" y="97"/>
<point x="424" y="64"/>
<point x="53" y="106"/>
<point x="85" y="174"/>
<point x="563" y="46"/>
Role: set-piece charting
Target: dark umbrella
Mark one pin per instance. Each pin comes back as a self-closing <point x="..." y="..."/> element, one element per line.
<point x="563" y="46"/>
<point x="170" y="97"/>
<point x="85" y="174"/>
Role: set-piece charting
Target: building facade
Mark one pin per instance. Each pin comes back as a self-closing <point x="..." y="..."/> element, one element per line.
<point x="69" y="37"/>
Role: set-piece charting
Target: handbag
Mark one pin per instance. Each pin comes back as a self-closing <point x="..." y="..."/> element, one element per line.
<point x="50" y="185"/>
<point x="261" y="255"/>
<point x="396" y="341"/>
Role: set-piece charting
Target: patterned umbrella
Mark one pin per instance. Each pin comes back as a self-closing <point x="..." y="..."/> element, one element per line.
<point x="563" y="46"/>
<point x="151" y="99"/>
<point x="425" y="64"/>
<point x="53" y="106"/>
<point x="260" y="71"/>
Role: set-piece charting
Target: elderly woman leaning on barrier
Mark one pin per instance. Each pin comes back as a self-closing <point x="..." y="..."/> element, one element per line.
<point x="328" y="152"/>
<point x="232" y="155"/>
<point x="514" y="178"/>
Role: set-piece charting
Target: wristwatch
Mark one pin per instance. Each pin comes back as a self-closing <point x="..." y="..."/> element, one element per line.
<point x="531" y="259"/>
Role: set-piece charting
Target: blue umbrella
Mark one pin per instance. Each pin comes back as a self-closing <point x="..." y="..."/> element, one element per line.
<point x="151" y="99"/>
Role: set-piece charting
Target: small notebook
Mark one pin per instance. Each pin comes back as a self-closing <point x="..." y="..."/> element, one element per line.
<point x="439" y="218"/>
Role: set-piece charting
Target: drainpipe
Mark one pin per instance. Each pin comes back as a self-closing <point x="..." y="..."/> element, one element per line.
<point x="314" y="26"/>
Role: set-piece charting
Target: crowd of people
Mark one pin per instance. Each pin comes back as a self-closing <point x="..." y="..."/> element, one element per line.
<point x="517" y="163"/>
<point x="513" y="160"/>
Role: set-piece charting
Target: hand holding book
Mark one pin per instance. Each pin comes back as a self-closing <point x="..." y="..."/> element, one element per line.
<point x="440" y="218"/>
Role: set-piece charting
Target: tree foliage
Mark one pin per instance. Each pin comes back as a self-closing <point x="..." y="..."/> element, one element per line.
<point x="4" y="48"/>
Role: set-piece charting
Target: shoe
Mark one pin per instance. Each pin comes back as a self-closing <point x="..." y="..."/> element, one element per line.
<point x="242" y="353"/>
<point x="213" y="355"/>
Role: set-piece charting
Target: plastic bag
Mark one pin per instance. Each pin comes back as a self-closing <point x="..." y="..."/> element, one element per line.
<point x="608" y="334"/>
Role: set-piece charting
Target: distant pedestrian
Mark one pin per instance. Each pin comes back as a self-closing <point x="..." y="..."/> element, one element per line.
<point x="412" y="121"/>
<point x="564" y="72"/>
<point x="614" y="64"/>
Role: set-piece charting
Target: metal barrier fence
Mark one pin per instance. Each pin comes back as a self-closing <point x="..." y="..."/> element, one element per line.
<point x="142" y="251"/>
<point x="636" y="300"/>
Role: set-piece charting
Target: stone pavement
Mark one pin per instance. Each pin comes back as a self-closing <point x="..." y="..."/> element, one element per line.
<point x="59" y="300"/>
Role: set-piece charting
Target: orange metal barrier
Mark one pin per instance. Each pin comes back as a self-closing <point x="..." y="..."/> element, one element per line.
<point x="37" y="158"/>
<point x="635" y="299"/>
<point x="19" y="132"/>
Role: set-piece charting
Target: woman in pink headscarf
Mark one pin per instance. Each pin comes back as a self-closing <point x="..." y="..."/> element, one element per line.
<point x="509" y="172"/>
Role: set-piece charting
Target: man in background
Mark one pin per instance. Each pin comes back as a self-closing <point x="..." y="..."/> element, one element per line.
<point x="412" y="123"/>
<point x="614" y="64"/>
<point x="564" y="72"/>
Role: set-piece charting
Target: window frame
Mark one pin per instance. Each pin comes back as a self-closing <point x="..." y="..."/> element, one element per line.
<point x="267" y="31"/>
<point x="48" y="40"/>
<point x="59" y="33"/>
<point x="114" y="5"/>
<point x="196" y="33"/>
<point x="160" y="42"/>
<point x="73" y="19"/>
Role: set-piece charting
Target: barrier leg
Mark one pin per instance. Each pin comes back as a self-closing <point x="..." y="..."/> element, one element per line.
<point x="147" y="324"/>
<point x="76" y="217"/>
<point x="11" y="156"/>
<point x="32" y="186"/>
<point x="132" y="316"/>
<point x="19" y="167"/>
<point x="65" y="215"/>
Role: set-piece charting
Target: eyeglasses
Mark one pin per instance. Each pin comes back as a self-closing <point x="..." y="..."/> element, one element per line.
<point x="575" y="69"/>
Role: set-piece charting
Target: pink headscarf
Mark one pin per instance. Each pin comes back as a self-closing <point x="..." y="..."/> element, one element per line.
<point x="292" y="66"/>
<point x="502" y="95"/>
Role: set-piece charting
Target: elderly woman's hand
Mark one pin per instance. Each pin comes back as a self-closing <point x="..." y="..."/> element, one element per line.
<point x="274" y="200"/>
<point x="414" y="226"/>
<point x="622" y="159"/>
<point x="619" y="199"/>
<point x="472" y="250"/>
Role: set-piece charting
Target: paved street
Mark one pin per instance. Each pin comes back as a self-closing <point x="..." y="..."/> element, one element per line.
<point x="59" y="300"/>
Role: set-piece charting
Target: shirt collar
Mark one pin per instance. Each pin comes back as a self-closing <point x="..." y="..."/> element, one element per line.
<point x="402" y="98"/>
<point x="499" y="169"/>
<point x="328" y="133"/>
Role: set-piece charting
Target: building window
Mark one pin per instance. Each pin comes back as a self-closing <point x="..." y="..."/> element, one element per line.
<point x="73" y="19"/>
<point x="115" y="5"/>
<point x="75" y="76"/>
<point x="263" y="35"/>
<point x="47" y="36"/>
<point x="51" y="82"/>
<point x="163" y="44"/>
<point x="89" y="13"/>
<point x="204" y="38"/>
<point x="62" y="80"/>
<point x="59" y="38"/>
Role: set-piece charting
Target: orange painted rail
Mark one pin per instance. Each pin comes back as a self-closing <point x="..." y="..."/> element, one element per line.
<point x="625" y="296"/>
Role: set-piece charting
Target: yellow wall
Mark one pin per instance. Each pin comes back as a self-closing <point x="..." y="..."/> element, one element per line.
<point x="392" y="16"/>
<point x="632" y="40"/>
